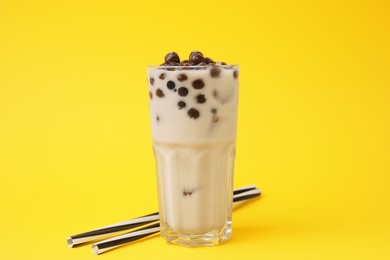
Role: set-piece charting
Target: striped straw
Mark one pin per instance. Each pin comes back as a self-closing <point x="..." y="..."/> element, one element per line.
<point x="109" y="230"/>
<point x="103" y="232"/>
<point x="112" y="243"/>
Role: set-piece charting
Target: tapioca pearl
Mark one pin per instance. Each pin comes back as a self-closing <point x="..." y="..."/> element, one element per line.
<point x="235" y="74"/>
<point x="196" y="53"/>
<point x="157" y="118"/>
<point x="187" y="192"/>
<point x="213" y="111"/>
<point x="185" y="63"/>
<point x="172" y="57"/>
<point x="182" y="77"/>
<point x="171" y="85"/>
<point x="196" y="57"/>
<point x="201" y="99"/>
<point x="159" y="93"/>
<point x="208" y="60"/>
<point x="151" y="80"/>
<point x="162" y="76"/>
<point x="150" y="95"/>
<point x="215" y="72"/>
<point x="218" y="97"/>
<point x="198" y="84"/>
<point x="193" y="113"/>
<point x="183" y="91"/>
<point x="181" y="104"/>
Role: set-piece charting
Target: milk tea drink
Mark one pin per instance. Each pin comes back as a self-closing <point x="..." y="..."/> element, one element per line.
<point x="193" y="116"/>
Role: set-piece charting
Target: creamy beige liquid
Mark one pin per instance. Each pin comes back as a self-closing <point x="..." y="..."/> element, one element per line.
<point x="195" y="183"/>
<point x="194" y="146"/>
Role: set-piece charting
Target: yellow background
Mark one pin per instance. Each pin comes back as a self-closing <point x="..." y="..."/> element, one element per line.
<point x="314" y="123"/>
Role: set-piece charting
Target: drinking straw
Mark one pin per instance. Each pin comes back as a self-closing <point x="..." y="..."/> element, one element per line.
<point x="106" y="231"/>
<point x="112" y="243"/>
<point x="99" y="233"/>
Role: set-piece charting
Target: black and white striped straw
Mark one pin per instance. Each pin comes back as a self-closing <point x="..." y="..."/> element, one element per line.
<point x="104" y="232"/>
<point x="121" y="240"/>
<point x="111" y="229"/>
<point x="112" y="243"/>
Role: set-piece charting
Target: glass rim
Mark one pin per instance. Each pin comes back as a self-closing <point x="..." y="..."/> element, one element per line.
<point x="227" y="66"/>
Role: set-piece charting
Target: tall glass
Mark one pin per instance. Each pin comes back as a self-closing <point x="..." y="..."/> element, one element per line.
<point x="193" y="116"/>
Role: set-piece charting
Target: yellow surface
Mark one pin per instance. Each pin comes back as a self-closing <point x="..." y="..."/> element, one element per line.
<point x="314" y="123"/>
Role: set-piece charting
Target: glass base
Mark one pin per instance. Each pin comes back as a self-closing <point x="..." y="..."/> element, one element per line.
<point x="212" y="238"/>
